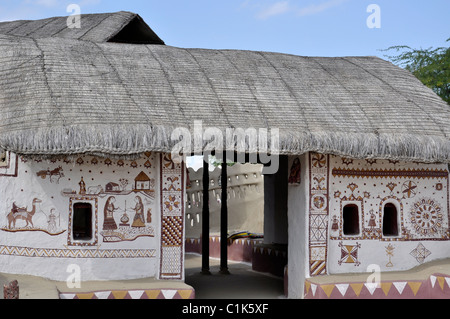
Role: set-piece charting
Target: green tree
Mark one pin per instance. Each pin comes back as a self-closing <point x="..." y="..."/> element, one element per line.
<point x="430" y="66"/>
<point x="216" y="163"/>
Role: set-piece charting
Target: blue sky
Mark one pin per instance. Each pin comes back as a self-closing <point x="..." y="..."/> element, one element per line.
<point x="301" y="27"/>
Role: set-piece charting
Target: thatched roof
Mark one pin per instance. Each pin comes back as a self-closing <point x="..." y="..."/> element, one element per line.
<point x="66" y="96"/>
<point x="103" y="27"/>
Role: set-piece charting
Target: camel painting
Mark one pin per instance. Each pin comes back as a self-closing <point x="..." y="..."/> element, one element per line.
<point x="22" y="213"/>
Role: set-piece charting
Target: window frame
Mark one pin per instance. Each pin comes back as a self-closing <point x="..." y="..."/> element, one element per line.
<point x="71" y="240"/>
<point x="4" y="159"/>
<point x="358" y="215"/>
<point x="88" y="221"/>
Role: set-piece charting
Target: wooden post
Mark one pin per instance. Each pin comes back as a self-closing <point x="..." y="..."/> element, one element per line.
<point x="224" y="219"/>
<point x="205" y="218"/>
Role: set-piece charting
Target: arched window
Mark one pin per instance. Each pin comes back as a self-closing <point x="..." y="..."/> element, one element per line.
<point x="390" y="220"/>
<point x="350" y="215"/>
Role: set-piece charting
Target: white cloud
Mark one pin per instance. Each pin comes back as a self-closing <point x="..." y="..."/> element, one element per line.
<point x="275" y="9"/>
<point x="317" y="8"/>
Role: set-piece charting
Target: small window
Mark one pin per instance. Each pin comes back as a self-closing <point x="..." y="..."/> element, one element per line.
<point x="390" y="221"/>
<point x="82" y="221"/>
<point x="351" y="219"/>
<point x="3" y="159"/>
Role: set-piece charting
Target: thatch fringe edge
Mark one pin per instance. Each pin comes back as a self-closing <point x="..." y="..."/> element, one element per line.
<point x="126" y="141"/>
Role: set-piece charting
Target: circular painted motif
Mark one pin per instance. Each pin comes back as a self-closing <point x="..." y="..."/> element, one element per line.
<point x="409" y="189"/>
<point x="319" y="201"/>
<point x="319" y="160"/>
<point x="426" y="217"/>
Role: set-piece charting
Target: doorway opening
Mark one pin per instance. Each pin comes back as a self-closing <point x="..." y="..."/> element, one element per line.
<point x="390" y="220"/>
<point x="252" y="200"/>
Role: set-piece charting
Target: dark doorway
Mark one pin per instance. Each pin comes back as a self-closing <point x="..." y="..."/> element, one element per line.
<point x="390" y="222"/>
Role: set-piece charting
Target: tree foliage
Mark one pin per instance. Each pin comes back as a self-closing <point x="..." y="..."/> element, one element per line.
<point x="430" y="66"/>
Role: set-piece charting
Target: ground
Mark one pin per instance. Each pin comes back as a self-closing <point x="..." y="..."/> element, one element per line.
<point x="241" y="283"/>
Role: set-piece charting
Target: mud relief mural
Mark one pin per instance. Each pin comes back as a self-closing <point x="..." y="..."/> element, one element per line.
<point x="427" y="217"/>
<point x="318" y="214"/>
<point x="132" y="222"/>
<point x="93" y="209"/>
<point x="21" y="219"/>
<point x="121" y="194"/>
<point x="172" y="218"/>
<point x="53" y="175"/>
<point x="364" y="210"/>
<point x="396" y="201"/>
<point x="22" y="213"/>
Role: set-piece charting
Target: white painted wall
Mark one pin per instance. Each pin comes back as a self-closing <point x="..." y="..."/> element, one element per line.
<point x="47" y="251"/>
<point x="245" y="200"/>
<point x="371" y="193"/>
<point x="298" y="254"/>
<point x="411" y="187"/>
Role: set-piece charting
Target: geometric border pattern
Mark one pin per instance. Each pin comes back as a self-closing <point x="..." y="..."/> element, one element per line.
<point x="388" y="173"/>
<point x="318" y="213"/>
<point x="70" y="240"/>
<point x="420" y="253"/>
<point x="172" y="218"/>
<point x="436" y="286"/>
<point x="173" y="231"/>
<point x="132" y="294"/>
<point x="76" y="253"/>
<point x="349" y="254"/>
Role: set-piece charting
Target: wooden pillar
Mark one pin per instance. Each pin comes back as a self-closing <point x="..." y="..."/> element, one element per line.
<point x="205" y="218"/>
<point x="224" y="219"/>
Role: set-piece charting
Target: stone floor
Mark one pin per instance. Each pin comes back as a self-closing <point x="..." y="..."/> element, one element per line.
<point x="241" y="283"/>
